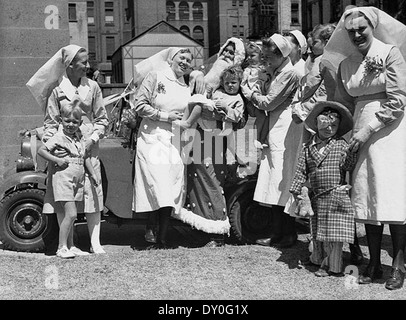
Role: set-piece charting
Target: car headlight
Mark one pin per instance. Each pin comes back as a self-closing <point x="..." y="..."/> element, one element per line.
<point x="25" y="162"/>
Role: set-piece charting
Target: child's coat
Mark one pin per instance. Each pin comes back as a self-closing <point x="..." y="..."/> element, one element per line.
<point x="334" y="215"/>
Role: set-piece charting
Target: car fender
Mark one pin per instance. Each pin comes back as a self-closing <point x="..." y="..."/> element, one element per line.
<point x="233" y="192"/>
<point x="16" y="180"/>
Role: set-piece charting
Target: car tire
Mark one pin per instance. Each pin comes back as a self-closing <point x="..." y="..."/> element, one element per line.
<point x="23" y="226"/>
<point x="249" y="220"/>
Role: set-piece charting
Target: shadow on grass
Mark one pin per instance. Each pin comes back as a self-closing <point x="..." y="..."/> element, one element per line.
<point x="294" y="256"/>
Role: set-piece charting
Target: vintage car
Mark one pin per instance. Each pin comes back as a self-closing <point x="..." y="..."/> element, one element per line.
<point x="23" y="227"/>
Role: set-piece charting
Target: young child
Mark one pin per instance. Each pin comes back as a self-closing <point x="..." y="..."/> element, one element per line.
<point x="252" y="78"/>
<point x="226" y="100"/>
<point x="325" y="160"/>
<point x="66" y="174"/>
<point x="232" y="53"/>
<point x="229" y="105"/>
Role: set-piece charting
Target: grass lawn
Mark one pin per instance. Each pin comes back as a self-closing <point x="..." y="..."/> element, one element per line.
<point x="235" y="272"/>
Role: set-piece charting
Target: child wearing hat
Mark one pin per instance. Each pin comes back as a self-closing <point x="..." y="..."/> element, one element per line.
<point x="324" y="161"/>
<point x="66" y="174"/>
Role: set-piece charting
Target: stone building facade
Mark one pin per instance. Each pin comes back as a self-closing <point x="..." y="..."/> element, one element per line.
<point x="29" y="39"/>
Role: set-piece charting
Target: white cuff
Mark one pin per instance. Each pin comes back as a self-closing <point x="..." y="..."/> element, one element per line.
<point x="163" y="116"/>
<point x="94" y="137"/>
<point x="376" y="125"/>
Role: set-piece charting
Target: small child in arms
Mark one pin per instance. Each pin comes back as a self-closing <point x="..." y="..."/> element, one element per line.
<point x="226" y="101"/>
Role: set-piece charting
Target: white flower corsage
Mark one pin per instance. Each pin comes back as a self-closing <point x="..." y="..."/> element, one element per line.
<point x="373" y="65"/>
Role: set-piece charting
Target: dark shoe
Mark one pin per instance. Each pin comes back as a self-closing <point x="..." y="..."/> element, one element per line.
<point x="269" y="241"/>
<point x="264" y="242"/>
<point x="370" y="274"/>
<point x="307" y="262"/>
<point x="150" y="236"/>
<point x="397" y="277"/>
<point x="356" y="257"/>
<point x="288" y="241"/>
<point x="321" y="273"/>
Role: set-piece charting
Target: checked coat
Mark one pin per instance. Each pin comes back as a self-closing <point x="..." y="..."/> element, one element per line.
<point x="334" y="215"/>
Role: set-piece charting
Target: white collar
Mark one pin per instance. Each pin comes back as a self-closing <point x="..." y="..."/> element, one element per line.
<point x="316" y="140"/>
<point x="77" y="136"/>
<point x="168" y="72"/>
<point x="70" y="90"/>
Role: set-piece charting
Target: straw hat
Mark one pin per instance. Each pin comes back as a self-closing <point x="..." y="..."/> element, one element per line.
<point x="346" y="122"/>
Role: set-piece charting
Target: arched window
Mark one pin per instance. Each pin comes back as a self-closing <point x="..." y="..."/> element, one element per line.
<point x="170" y="10"/>
<point x="197" y="10"/>
<point x="183" y="10"/>
<point x="198" y="34"/>
<point x="185" y="30"/>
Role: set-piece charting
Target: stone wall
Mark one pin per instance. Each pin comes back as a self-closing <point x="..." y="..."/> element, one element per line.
<point x="30" y="33"/>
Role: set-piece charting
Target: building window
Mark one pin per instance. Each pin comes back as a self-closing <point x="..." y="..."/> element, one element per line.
<point x="267" y="9"/>
<point x="183" y="10"/>
<point x="90" y="12"/>
<point x="294" y="13"/>
<point x="109" y="13"/>
<point x="110" y="47"/>
<point x="185" y="30"/>
<point x="242" y="31"/>
<point x="72" y="12"/>
<point x="197" y="11"/>
<point x="92" y="48"/>
<point x="198" y="34"/>
<point x="235" y="31"/>
<point x="170" y="10"/>
<point x="241" y="3"/>
<point x="234" y="3"/>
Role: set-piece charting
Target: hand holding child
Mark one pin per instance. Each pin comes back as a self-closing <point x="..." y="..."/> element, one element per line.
<point x="359" y="138"/>
<point x="221" y="109"/>
<point x="62" y="163"/>
<point x="174" y="115"/>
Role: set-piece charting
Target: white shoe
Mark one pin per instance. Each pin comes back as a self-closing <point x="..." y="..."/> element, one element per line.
<point x="98" y="250"/>
<point x="77" y="252"/>
<point x="65" y="253"/>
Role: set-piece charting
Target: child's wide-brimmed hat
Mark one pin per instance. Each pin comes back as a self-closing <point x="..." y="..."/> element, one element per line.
<point x="346" y="121"/>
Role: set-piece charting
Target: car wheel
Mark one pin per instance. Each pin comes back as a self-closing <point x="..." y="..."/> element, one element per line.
<point x="23" y="227"/>
<point x="249" y="220"/>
